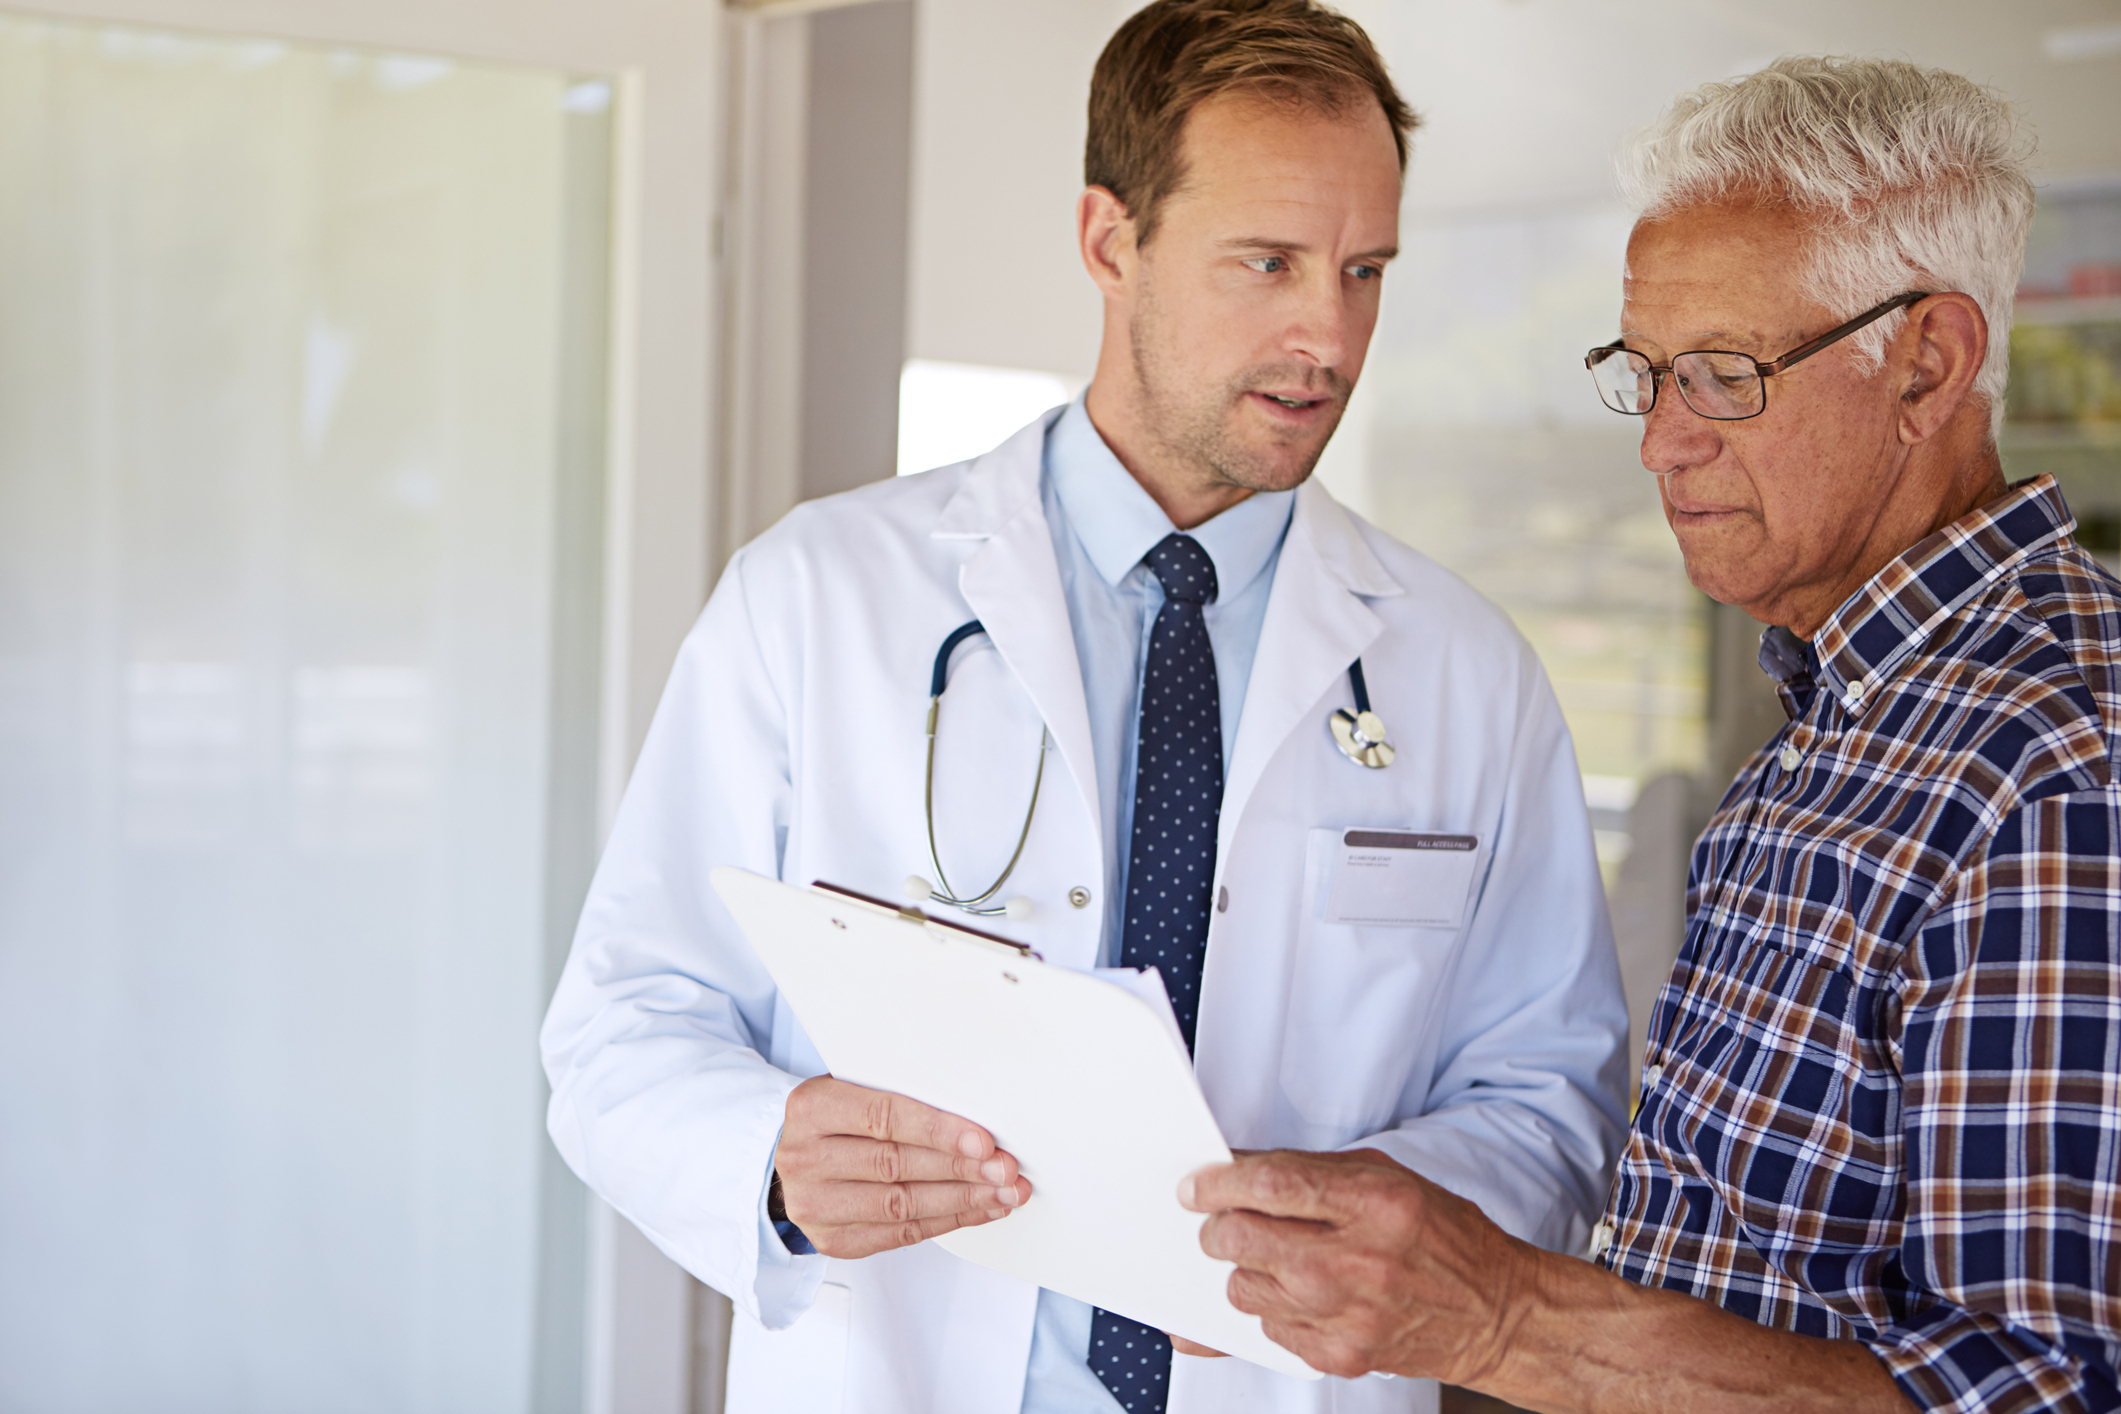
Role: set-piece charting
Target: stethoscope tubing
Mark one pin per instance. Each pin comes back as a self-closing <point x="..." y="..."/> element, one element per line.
<point x="1362" y="689"/>
<point x="1358" y="747"/>
<point x="981" y="903"/>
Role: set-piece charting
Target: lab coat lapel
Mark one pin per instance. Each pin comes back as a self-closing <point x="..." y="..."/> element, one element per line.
<point x="1013" y="584"/>
<point x="1316" y="625"/>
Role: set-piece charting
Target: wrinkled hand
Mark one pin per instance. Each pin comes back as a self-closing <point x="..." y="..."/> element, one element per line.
<point x="864" y="1171"/>
<point x="1357" y="1263"/>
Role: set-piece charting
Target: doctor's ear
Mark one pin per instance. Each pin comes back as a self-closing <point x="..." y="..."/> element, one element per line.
<point x="1105" y="233"/>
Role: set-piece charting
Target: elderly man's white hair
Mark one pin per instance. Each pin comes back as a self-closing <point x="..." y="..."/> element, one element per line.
<point x="1915" y="179"/>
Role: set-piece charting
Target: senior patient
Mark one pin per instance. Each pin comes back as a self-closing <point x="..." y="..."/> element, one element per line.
<point x="1878" y="1155"/>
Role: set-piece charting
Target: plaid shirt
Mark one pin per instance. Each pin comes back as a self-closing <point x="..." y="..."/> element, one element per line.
<point x="1883" y="1098"/>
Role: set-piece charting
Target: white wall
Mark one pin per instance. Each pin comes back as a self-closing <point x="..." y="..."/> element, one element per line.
<point x="1523" y="102"/>
<point x="1001" y="89"/>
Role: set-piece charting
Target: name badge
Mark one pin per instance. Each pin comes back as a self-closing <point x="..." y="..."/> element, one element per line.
<point x="1401" y="879"/>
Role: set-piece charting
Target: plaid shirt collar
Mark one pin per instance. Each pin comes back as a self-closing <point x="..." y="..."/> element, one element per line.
<point x="1866" y="641"/>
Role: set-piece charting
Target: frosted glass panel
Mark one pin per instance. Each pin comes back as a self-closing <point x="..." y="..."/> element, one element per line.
<point x="300" y="361"/>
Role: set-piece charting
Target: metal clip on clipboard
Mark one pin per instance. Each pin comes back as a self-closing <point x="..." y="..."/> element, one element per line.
<point x="938" y="926"/>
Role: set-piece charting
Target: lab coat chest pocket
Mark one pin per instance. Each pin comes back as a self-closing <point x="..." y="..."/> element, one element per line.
<point x="1374" y="945"/>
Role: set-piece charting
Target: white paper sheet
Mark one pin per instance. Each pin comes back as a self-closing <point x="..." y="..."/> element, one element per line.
<point x="1076" y="1074"/>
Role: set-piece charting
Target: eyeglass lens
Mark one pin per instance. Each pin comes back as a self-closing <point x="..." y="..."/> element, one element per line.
<point x="1624" y="381"/>
<point x="1724" y="386"/>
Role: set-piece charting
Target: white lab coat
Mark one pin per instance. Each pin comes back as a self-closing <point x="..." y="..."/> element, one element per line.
<point x="790" y="741"/>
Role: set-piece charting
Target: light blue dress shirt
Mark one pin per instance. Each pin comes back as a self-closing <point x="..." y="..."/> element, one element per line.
<point x="1103" y="523"/>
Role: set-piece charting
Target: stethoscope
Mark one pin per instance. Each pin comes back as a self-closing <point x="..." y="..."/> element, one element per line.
<point x="1360" y="735"/>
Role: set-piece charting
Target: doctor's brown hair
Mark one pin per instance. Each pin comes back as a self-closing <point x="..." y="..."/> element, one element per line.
<point x="1173" y="55"/>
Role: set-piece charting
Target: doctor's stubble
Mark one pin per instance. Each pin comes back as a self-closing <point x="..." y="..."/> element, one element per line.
<point x="1196" y="424"/>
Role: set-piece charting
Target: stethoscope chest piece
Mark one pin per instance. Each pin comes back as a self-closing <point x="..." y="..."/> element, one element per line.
<point x="1361" y="738"/>
<point x="1360" y="734"/>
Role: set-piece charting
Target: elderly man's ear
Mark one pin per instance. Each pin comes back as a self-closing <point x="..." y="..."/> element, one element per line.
<point x="1950" y="337"/>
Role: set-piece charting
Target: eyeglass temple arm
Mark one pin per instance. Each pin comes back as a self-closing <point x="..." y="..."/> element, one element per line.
<point x="1794" y="356"/>
<point x="1804" y="351"/>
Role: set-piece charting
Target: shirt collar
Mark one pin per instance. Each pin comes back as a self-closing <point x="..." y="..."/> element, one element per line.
<point x="1794" y="665"/>
<point x="1865" y="641"/>
<point x="1117" y="522"/>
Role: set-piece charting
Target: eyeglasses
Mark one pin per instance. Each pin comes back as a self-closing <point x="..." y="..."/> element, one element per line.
<point x="1718" y="384"/>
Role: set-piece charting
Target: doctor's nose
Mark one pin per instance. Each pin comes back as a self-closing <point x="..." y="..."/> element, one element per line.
<point x="1323" y="328"/>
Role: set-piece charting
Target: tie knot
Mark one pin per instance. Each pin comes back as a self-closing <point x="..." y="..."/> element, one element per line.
<point x="1184" y="568"/>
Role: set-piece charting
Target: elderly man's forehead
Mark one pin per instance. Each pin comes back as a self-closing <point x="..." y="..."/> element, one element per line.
<point x="1748" y="235"/>
<point x="1701" y="314"/>
<point x="1726" y="275"/>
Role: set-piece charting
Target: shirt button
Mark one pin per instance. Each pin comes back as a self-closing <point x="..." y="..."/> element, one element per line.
<point x="1651" y="1076"/>
<point x="1601" y="1239"/>
<point x="1853" y="696"/>
<point x="1791" y="758"/>
<point x="1079" y="896"/>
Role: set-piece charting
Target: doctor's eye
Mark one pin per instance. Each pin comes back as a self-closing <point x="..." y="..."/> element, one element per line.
<point x="1267" y="264"/>
<point x="1367" y="272"/>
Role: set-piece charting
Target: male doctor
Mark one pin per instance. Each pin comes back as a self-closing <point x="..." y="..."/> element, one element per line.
<point x="1167" y="600"/>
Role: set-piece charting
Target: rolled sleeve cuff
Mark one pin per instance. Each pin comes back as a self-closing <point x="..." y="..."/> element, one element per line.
<point x="1959" y="1360"/>
<point x="1543" y="1203"/>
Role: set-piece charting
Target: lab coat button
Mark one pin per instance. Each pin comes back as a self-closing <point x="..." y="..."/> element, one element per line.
<point x="1791" y="757"/>
<point x="1079" y="896"/>
<point x="1222" y="900"/>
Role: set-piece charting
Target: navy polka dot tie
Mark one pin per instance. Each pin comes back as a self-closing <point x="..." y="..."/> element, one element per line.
<point x="1178" y="794"/>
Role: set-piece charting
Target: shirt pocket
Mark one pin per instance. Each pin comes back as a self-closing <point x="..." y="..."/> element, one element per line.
<point x="1767" y="1106"/>
<point x="1360" y="997"/>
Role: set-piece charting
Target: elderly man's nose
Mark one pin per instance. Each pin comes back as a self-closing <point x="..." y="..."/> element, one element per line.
<point x="1675" y="437"/>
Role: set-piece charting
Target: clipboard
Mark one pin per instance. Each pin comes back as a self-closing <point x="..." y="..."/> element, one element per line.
<point x="1036" y="1054"/>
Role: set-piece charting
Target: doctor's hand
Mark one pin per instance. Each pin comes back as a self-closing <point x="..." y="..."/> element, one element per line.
<point x="863" y="1171"/>
<point x="1357" y="1263"/>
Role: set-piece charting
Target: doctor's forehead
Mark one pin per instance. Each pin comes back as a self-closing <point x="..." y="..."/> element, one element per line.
<point x="1293" y="165"/>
